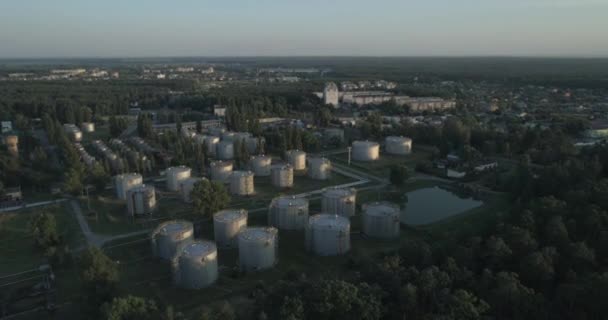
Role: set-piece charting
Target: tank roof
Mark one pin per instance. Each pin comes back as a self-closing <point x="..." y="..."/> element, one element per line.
<point x="173" y="226"/>
<point x="329" y="221"/>
<point x="320" y="159"/>
<point x="221" y="163"/>
<point x="229" y="215"/>
<point x="199" y="248"/>
<point x="258" y="233"/>
<point x="382" y="208"/>
<point x="365" y="143"/>
<point x="290" y="201"/>
<point x="295" y="151"/>
<point x="398" y="138"/>
<point x="281" y="166"/>
<point x="129" y="175"/>
<point x="178" y="168"/>
<point x="242" y="173"/>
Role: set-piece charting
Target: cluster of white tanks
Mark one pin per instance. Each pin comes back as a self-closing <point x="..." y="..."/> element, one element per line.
<point x="87" y="127"/>
<point x="125" y="182"/>
<point x="328" y="234"/>
<point x="221" y="171"/>
<point x="241" y="183"/>
<point x="339" y="201"/>
<point x="252" y="144"/>
<point x="260" y="165"/>
<point x="186" y="187"/>
<point x="257" y="248"/>
<point x="381" y="220"/>
<point x="175" y="176"/>
<point x="211" y="143"/>
<point x="73" y="132"/>
<point x="288" y="213"/>
<point x="168" y="236"/>
<point x="398" y="145"/>
<point x="194" y="265"/>
<point x="141" y="200"/>
<point x="297" y="159"/>
<point x="227" y="224"/>
<point x="319" y="168"/>
<point x="281" y="175"/>
<point x="365" y="151"/>
<point x="225" y="150"/>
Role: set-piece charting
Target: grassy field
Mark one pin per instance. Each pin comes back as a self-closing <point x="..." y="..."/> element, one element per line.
<point x="17" y="250"/>
<point x="381" y="167"/>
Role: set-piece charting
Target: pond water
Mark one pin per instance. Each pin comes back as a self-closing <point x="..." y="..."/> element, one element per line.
<point x="430" y="205"/>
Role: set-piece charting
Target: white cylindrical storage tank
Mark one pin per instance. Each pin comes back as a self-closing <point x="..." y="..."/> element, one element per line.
<point x="225" y="150"/>
<point x="226" y="226"/>
<point x="328" y="234"/>
<point x="186" y="187"/>
<point x="195" y="265"/>
<point x="260" y="165"/>
<point x="200" y="139"/>
<point x="288" y="213"/>
<point x="175" y="176"/>
<point x="241" y="183"/>
<point x="87" y="127"/>
<point x="124" y="182"/>
<point x="339" y="201"/>
<point x="365" y="151"/>
<point x="221" y="171"/>
<point x="141" y="200"/>
<point x="252" y="144"/>
<point x="398" y="145"/>
<point x="319" y="168"/>
<point x="216" y="131"/>
<point x="167" y="237"/>
<point x="228" y="136"/>
<point x="281" y="176"/>
<point x="257" y="248"/>
<point x="381" y="220"/>
<point x="241" y="136"/>
<point x="297" y="159"/>
<point x="211" y="144"/>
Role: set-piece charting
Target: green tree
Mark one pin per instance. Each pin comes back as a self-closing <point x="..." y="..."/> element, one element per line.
<point x="99" y="177"/>
<point x="209" y="197"/>
<point x="130" y="308"/>
<point x="99" y="278"/>
<point x="44" y="230"/>
<point x="73" y="181"/>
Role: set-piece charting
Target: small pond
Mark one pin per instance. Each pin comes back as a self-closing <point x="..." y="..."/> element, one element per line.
<point x="430" y="205"/>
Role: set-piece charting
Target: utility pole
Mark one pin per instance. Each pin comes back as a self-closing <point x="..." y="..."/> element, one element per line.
<point x="349" y="150"/>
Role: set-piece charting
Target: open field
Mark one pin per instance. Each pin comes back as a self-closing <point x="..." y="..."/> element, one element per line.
<point x="17" y="250"/>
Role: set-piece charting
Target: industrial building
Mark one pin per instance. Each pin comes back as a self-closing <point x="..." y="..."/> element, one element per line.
<point x="288" y="213"/>
<point x="258" y="248"/>
<point x="168" y="236"/>
<point x="331" y="94"/>
<point x="328" y="234"/>
<point x="226" y="226"/>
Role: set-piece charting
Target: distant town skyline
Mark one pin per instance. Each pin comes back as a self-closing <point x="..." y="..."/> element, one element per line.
<point x="156" y="28"/>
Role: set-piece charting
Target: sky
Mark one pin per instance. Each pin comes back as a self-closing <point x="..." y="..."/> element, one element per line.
<point x="163" y="28"/>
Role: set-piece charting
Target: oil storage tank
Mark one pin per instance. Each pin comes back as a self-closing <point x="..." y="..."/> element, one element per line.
<point x="186" y="187"/>
<point x="381" y="220"/>
<point x="288" y="213"/>
<point x="319" y="168"/>
<point x="12" y="144"/>
<point x="194" y="265"/>
<point x="297" y="159"/>
<point x="252" y="144"/>
<point x="281" y="175"/>
<point x="260" y="165"/>
<point x="228" y="136"/>
<point x="175" y="176"/>
<point x="167" y="237"/>
<point x="241" y="183"/>
<point x="141" y="200"/>
<point x="339" y="201"/>
<point x="87" y="127"/>
<point x="398" y="145"/>
<point x="257" y="248"/>
<point x="227" y="224"/>
<point x="365" y="151"/>
<point x="124" y="182"/>
<point x="221" y="171"/>
<point x="225" y="150"/>
<point x="211" y="144"/>
<point x="328" y="234"/>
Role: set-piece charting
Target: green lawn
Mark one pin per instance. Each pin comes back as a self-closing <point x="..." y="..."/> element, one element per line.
<point x="381" y="167"/>
<point x="17" y="250"/>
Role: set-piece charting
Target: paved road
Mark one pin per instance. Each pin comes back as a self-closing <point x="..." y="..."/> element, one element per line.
<point x="32" y="205"/>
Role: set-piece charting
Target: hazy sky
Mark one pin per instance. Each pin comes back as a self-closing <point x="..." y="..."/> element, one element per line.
<point x="130" y="28"/>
